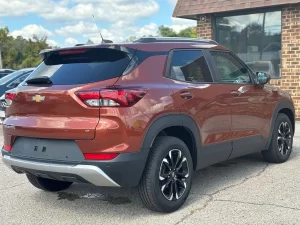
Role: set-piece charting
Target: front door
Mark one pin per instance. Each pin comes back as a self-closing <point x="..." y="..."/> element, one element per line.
<point x="249" y="104"/>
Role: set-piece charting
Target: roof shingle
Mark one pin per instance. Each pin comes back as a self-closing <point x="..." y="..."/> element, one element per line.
<point x="190" y="8"/>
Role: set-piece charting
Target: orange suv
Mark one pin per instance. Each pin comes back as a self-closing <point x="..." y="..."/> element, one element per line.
<point x="146" y="114"/>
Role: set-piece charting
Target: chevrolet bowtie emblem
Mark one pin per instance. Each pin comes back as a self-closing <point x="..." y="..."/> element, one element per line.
<point x="38" y="98"/>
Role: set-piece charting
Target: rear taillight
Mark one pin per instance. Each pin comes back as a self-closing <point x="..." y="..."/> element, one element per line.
<point x="112" y="97"/>
<point x="90" y="98"/>
<point x="103" y="156"/>
<point x="7" y="147"/>
<point x="9" y="97"/>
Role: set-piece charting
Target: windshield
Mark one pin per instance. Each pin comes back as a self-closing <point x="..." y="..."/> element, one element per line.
<point x="11" y="76"/>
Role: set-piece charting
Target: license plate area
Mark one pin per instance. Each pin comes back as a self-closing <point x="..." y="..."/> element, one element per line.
<point x="47" y="149"/>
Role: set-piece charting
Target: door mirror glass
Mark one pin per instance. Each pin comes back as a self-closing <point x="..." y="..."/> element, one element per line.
<point x="263" y="78"/>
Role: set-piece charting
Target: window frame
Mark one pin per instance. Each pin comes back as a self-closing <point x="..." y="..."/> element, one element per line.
<point x="250" y="72"/>
<point x="247" y="12"/>
<point x="206" y="55"/>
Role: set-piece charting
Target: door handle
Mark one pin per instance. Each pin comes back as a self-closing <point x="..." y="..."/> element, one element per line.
<point x="186" y="95"/>
<point x="236" y="93"/>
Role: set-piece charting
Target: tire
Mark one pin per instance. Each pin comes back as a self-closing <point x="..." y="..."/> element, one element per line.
<point x="157" y="180"/>
<point x="48" y="184"/>
<point x="275" y="153"/>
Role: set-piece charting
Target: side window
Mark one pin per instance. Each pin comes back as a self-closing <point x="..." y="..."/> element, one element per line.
<point x="230" y="69"/>
<point x="17" y="81"/>
<point x="23" y="77"/>
<point x="189" y="66"/>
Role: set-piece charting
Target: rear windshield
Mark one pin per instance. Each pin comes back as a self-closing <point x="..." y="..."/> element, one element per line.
<point x="92" y="65"/>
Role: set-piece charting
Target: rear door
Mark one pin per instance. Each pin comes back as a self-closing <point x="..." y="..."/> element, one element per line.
<point x="249" y="103"/>
<point x="48" y="107"/>
<point x="207" y="102"/>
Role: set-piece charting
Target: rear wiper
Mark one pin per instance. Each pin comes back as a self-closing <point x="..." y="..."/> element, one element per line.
<point x="39" y="80"/>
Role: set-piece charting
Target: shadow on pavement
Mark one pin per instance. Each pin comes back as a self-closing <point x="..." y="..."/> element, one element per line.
<point x="91" y="200"/>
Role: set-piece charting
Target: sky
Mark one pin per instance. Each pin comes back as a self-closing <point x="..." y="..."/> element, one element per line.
<point x="69" y="22"/>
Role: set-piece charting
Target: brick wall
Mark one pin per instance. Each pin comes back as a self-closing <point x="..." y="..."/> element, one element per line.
<point x="204" y="27"/>
<point x="186" y="8"/>
<point x="290" y="71"/>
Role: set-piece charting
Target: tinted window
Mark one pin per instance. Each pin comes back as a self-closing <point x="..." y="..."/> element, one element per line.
<point x="254" y="38"/>
<point x="91" y="66"/>
<point x="229" y="68"/>
<point x="190" y="66"/>
<point x="3" y="74"/>
<point x="11" y="76"/>
<point x="17" y="81"/>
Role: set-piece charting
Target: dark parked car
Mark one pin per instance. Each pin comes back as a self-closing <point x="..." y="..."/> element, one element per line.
<point x="5" y="72"/>
<point x="144" y="114"/>
<point x="14" y="79"/>
<point x="9" y="82"/>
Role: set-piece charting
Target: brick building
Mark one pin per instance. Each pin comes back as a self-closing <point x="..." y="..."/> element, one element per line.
<point x="264" y="33"/>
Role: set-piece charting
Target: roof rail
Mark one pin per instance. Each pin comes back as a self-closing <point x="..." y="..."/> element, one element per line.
<point x="174" y="39"/>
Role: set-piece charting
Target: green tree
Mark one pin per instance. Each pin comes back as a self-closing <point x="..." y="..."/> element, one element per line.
<point x="90" y="42"/>
<point x="166" y="32"/>
<point x="18" y="52"/>
<point x="189" y="32"/>
<point x="130" y="39"/>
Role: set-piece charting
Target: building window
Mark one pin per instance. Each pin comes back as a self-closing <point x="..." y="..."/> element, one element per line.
<point x="255" y="38"/>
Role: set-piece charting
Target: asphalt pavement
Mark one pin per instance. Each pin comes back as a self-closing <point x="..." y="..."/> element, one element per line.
<point x="246" y="190"/>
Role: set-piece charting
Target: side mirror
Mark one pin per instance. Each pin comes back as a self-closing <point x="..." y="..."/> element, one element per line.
<point x="263" y="78"/>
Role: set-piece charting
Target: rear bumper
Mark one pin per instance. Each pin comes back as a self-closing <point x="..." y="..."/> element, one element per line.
<point x="124" y="171"/>
<point x="92" y="174"/>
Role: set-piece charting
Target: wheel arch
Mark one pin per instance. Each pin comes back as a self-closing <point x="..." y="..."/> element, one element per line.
<point x="286" y="107"/>
<point x="162" y="126"/>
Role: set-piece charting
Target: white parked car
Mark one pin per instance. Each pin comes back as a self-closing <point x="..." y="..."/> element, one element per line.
<point x="3" y="105"/>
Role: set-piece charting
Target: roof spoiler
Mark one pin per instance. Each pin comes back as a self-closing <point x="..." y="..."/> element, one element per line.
<point x="79" y="47"/>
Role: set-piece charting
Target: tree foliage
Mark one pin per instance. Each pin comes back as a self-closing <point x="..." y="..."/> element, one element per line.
<point x="189" y="32"/>
<point x="164" y="31"/>
<point x="20" y="53"/>
<point x="130" y="39"/>
<point x="90" y="42"/>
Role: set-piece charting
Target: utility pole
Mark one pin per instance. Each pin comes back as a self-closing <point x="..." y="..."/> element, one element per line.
<point x="1" y="66"/>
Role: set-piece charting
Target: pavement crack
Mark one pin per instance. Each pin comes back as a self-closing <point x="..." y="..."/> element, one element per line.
<point x="13" y="186"/>
<point x="211" y="196"/>
<point x="195" y="210"/>
<point x="242" y="181"/>
<point x="257" y="204"/>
